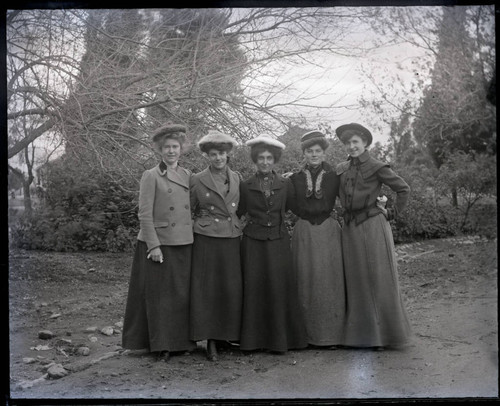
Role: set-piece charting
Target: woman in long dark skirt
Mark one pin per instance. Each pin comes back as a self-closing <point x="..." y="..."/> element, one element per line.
<point x="272" y="318"/>
<point x="216" y="282"/>
<point x="317" y="245"/>
<point x="376" y="316"/>
<point x="157" y="310"/>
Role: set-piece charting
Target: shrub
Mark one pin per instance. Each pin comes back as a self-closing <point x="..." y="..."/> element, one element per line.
<point x="82" y="211"/>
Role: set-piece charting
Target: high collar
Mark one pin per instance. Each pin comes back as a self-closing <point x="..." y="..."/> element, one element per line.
<point x="216" y="172"/>
<point x="164" y="167"/>
<point x="262" y="176"/>
<point x="362" y="158"/>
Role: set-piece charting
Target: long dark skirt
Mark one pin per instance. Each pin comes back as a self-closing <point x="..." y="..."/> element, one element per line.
<point x="216" y="288"/>
<point x="272" y="317"/>
<point x="317" y="260"/>
<point x="157" y="311"/>
<point x="375" y="312"/>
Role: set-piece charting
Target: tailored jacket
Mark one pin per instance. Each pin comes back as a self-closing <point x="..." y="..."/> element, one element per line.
<point x="265" y="217"/>
<point x="214" y="214"/>
<point x="360" y="182"/>
<point x="315" y="210"/>
<point x="164" y="208"/>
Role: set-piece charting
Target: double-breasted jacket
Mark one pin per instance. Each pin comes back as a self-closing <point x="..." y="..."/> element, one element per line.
<point x="164" y="207"/>
<point x="265" y="215"/>
<point x="214" y="213"/>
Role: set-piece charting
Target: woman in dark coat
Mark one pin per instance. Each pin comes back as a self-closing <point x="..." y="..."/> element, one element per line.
<point x="157" y="310"/>
<point x="216" y="284"/>
<point x="317" y="246"/>
<point x="376" y="316"/>
<point x="272" y="318"/>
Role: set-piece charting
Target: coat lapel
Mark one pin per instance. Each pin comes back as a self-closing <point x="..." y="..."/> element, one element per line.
<point x="234" y="187"/>
<point x="180" y="176"/>
<point x="207" y="179"/>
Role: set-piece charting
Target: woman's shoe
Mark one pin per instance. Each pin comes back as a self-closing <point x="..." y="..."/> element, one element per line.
<point x="212" y="350"/>
<point x="162" y="356"/>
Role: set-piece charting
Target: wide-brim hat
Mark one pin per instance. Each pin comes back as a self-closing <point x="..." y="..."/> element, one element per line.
<point x="168" y="130"/>
<point x="364" y="132"/>
<point x="313" y="137"/>
<point x="216" y="137"/>
<point x="265" y="140"/>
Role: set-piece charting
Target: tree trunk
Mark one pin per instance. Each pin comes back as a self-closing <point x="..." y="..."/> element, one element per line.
<point x="454" y="198"/>
<point x="28" y="207"/>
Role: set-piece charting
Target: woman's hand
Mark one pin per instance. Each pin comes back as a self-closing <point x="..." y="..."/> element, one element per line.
<point x="381" y="203"/>
<point x="155" y="255"/>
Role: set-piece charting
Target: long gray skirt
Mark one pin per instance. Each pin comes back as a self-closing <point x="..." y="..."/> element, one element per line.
<point x="272" y="317"/>
<point x="317" y="259"/>
<point x="157" y="311"/>
<point x="216" y="289"/>
<point x="376" y="315"/>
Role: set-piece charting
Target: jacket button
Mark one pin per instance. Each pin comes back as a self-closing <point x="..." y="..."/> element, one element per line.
<point x="207" y="195"/>
<point x="216" y="220"/>
<point x="268" y="224"/>
<point x="187" y="206"/>
<point x="171" y="208"/>
<point x="268" y="212"/>
<point x="270" y="203"/>
<point x="212" y="207"/>
<point x="233" y="204"/>
<point x="169" y="190"/>
<point x="173" y="224"/>
<point x="229" y="219"/>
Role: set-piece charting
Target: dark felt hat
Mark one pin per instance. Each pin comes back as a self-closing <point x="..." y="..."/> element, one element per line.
<point x="358" y="128"/>
<point x="312" y="138"/>
<point x="168" y="130"/>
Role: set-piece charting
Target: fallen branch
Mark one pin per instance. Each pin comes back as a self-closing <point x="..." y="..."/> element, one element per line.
<point x="84" y="365"/>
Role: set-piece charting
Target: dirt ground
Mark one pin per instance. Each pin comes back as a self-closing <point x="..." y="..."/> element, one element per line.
<point x="449" y="287"/>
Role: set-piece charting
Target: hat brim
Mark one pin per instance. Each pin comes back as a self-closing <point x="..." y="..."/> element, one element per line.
<point x="266" y="141"/>
<point x="354" y="127"/>
<point x="168" y="130"/>
<point x="216" y="137"/>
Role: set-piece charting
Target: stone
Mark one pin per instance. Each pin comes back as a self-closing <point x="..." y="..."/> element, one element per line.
<point x="55" y="316"/>
<point x="83" y="351"/>
<point x="119" y="324"/>
<point x="57" y="371"/>
<point x="45" y="334"/>
<point x="93" y="339"/>
<point x="91" y="329"/>
<point x="107" y="331"/>
<point x="29" y="360"/>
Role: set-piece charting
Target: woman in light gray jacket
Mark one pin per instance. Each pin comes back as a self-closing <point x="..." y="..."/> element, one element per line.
<point x="216" y="281"/>
<point x="157" y="311"/>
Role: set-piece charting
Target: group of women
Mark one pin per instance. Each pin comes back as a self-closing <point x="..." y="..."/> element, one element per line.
<point x="214" y="259"/>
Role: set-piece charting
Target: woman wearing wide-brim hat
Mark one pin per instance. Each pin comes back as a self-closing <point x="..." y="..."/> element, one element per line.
<point x="376" y="316"/>
<point x="216" y="281"/>
<point x="272" y="318"/>
<point x="157" y="310"/>
<point x="317" y="246"/>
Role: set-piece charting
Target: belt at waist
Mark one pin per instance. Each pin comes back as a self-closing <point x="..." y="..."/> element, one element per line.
<point x="362" y="214"/>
